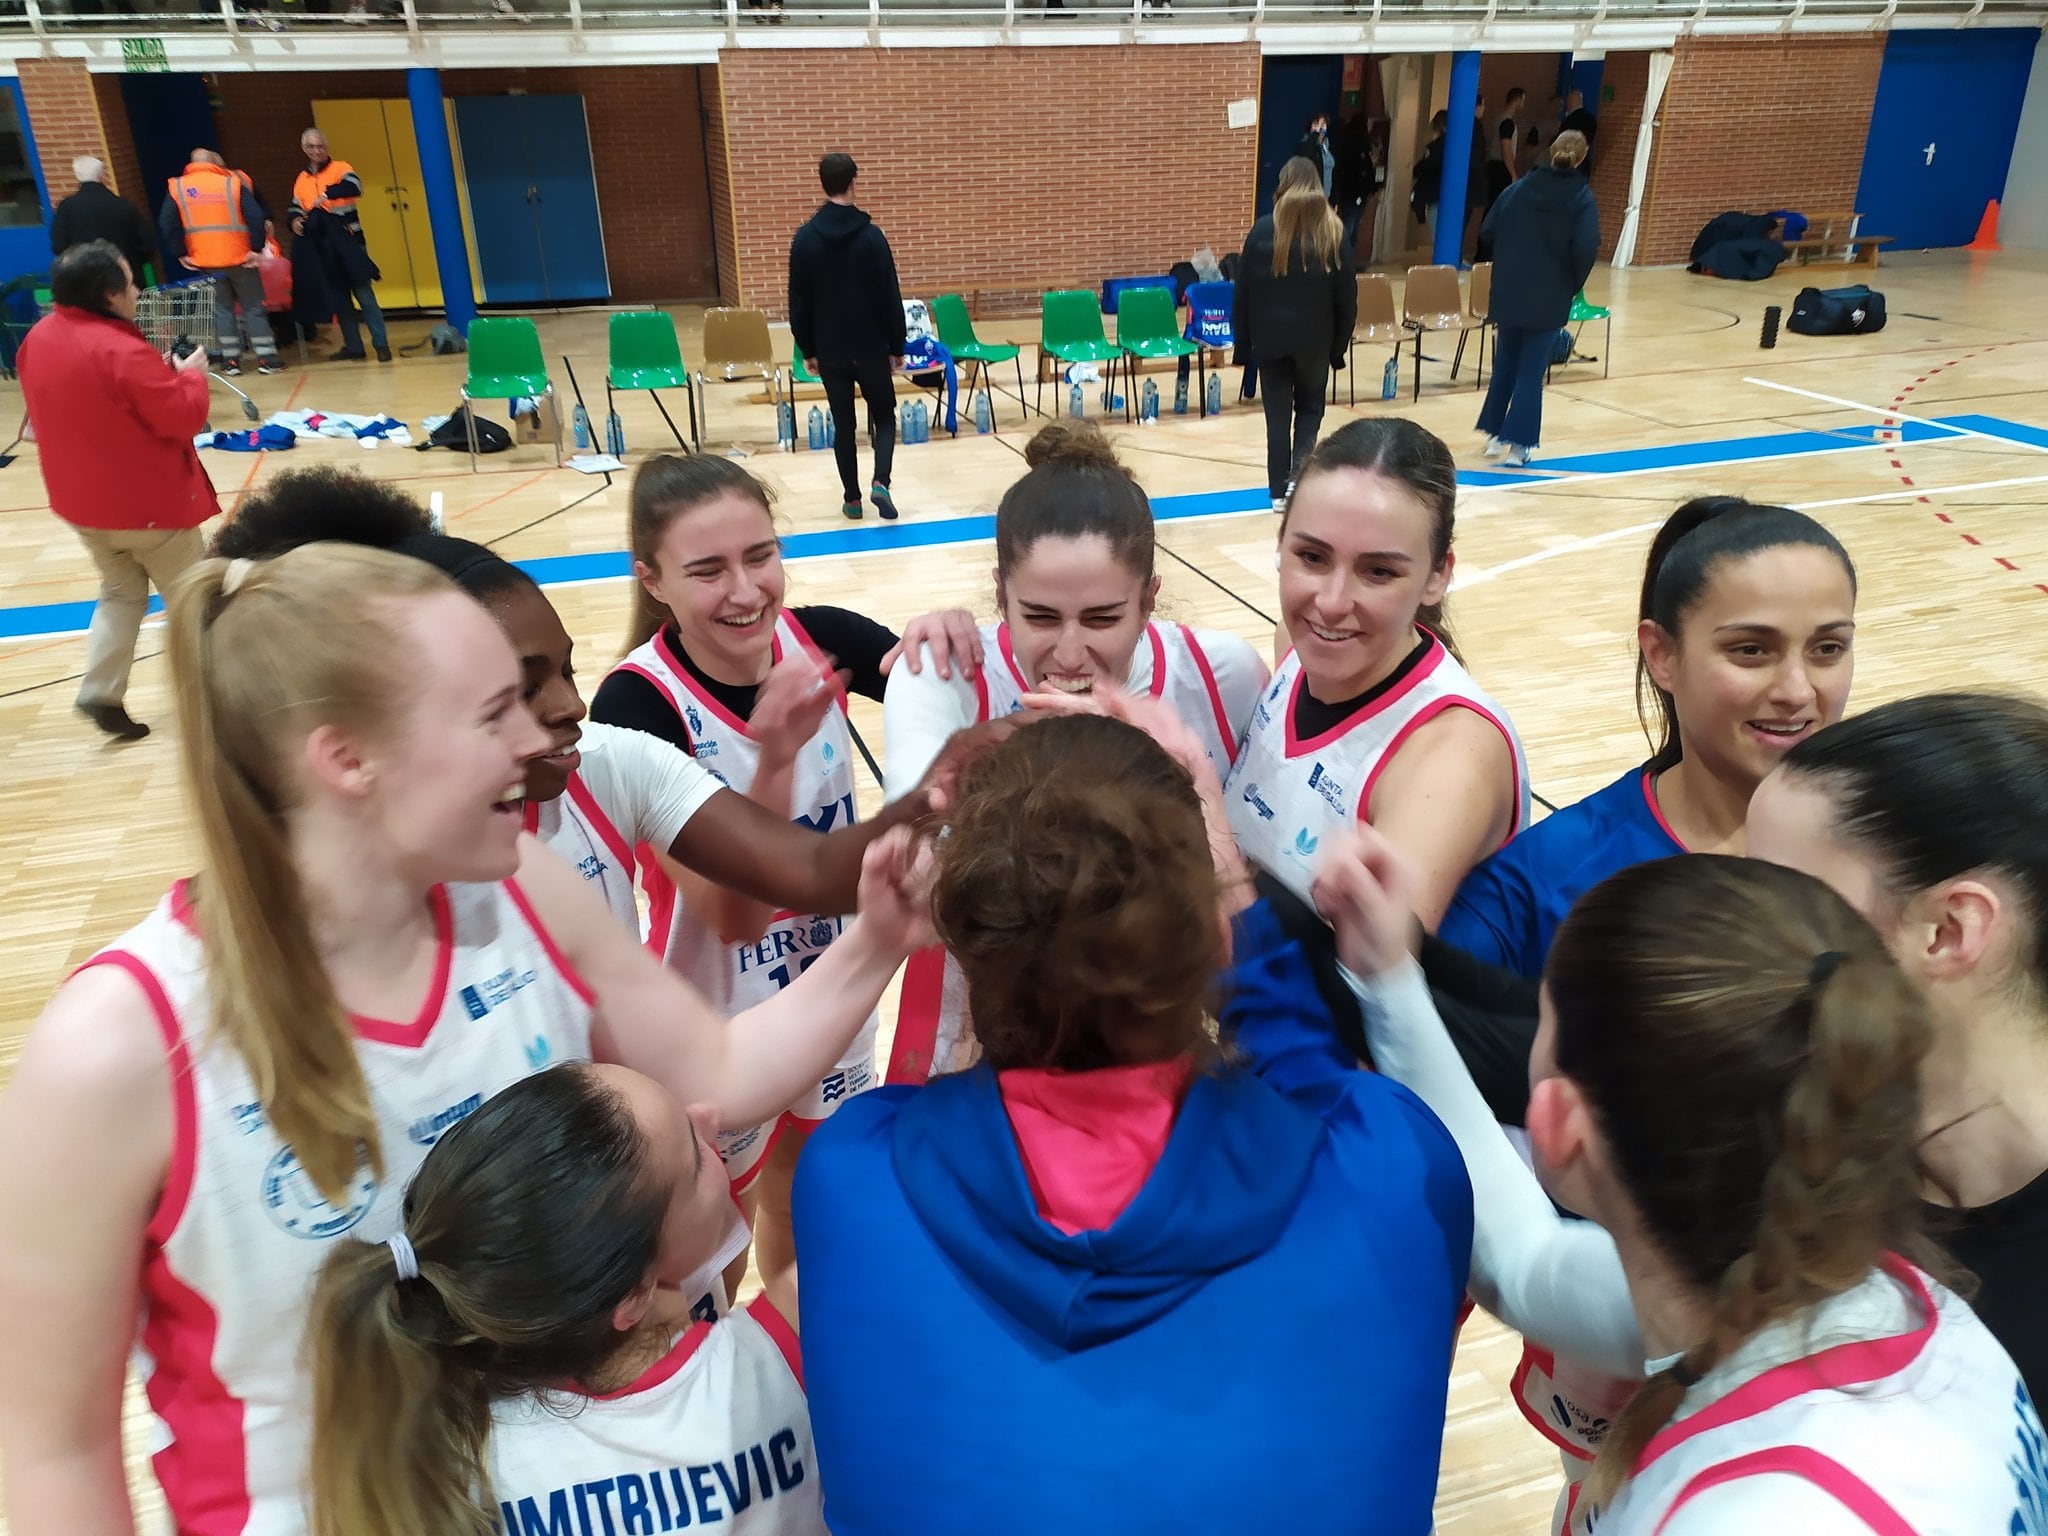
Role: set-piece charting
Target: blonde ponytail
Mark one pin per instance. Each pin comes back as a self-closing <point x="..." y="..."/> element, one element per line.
<point x="1760" y="1099"/>
<point x="261" y="654"/>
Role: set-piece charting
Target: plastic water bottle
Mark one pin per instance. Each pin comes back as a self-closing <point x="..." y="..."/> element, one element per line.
<point x="615" y="436"/>
<point x="785" y="426"/>
<point x="921" y="422"/>
<point x="1076" y="407"/>
<point x="1180" y="391"/>
<point x="1148" y="402"/>
<point x="831" y="431"/>
<point x="815" y="429"/>
<point x="1390" y="378"/>
<point x="1213" y="406"/>
<point x="903" y="432"/>
<point x="984" y="420"/>
<point x="579" y="424"/>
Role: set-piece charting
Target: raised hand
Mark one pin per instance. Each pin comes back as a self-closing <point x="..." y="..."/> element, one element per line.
<point x="896" y="876"/>
<point x="792" y="704"/>
<point x="1365" y="890"/>
<point x="954" y="638"/>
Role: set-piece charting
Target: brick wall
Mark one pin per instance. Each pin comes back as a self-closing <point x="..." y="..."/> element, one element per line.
<point x="995" y="168"/>
<point x="1756" y="124"/>
<point x="123" y="169"/>
<point x="646" y="149"/>
<point x="64" y="115"/>
<point x="1620" y="121"/>
<point x="719" y="163"/>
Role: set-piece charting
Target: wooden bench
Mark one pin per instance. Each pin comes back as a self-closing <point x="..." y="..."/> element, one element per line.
<point x="1831" y="235"/>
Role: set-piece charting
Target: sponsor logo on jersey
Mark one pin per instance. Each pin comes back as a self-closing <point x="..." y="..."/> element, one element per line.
<point x="427" y="1130"/>
<point x="249" y="1118"/>
<point x="1324" y="783"/>
<point x="1252" y="799"/>
<point x="844" y="1084"/>
<point x="733" y="1144"/>
<point x="496" y="991"/>
<point x="1273" y="693"/>
<point x="1261" y="715"/>
<point x="694" y="720"/>
<point x="703" y="749"/>
<point x="663" y="1498"/>
<point x="297" y="1206"/>
<point x="827" y="815"/>
<point x="591" y="867"/>
<point x="801" y="937"/>
<point x="538" y="1051"/>
<point x="1304" y="845"/>
<point x="826" y="748"/>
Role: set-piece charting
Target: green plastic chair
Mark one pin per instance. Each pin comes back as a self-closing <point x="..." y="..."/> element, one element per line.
<point x="1070" y="330"/>
<point x="1581" y="313"/>
<point x="505" y="363"/>
<point x="1148" y="326"/>
<point x="646" y="354"/>
<point x="956" y="335"/>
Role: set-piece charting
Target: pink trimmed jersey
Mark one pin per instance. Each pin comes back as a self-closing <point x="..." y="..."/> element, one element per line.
<point x="1889" y="1409"/>
<point x="240" y="1232"/>
<point x="736" y="976"/>
<point x="1284" y="792"/>
<point x="715" y="1435"/>
<point x="1172" y="662"/>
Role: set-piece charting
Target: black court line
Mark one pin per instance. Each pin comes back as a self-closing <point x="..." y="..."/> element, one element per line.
<point x="1228" y="591"/>
<point x="572" y="506"/>
<point x="15" y="693"/>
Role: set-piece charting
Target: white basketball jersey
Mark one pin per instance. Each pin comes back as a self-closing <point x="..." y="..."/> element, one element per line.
<point x="240" y="1232"/>
<point x="737" y="976"/>
<point x="1925" y="1431"/>
<point x="1284" y="792"/>
<point x="576" y="826"/>
<point x="1168" y="664"/>
<point x="715" y="1435"/>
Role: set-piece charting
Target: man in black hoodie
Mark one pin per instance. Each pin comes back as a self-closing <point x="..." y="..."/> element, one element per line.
<point x="846" y="312"/>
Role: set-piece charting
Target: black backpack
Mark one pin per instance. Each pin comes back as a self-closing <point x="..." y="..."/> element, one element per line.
<point x="454" y="433"/>
<point x="1836" y="312"/>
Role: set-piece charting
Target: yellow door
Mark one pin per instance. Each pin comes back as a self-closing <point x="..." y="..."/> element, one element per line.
<point x="411" y="196"/>
<point x="376" y="138"/>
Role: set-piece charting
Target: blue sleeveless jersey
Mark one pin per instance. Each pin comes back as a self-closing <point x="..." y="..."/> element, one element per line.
<point x="1262" y="1339"/>
<point x="1508" y="908"/>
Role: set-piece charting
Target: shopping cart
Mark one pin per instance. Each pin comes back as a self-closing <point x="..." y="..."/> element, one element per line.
<point x="179" y="317"/>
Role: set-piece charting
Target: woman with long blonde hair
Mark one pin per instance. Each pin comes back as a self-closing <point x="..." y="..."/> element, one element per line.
<point x="1297" y="296"/>
<point x="373" y="947"/>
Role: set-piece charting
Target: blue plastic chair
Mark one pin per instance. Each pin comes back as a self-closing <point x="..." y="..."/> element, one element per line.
<point x="1210" y="326"/>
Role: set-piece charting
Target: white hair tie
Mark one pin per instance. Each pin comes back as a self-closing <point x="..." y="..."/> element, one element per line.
<point x="402" y="1255"/>
<point x="238" y="572"/>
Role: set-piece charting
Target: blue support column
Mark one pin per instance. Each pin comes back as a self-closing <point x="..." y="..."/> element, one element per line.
<point x="1448" y="247"/>
<point x="444" y="203"/>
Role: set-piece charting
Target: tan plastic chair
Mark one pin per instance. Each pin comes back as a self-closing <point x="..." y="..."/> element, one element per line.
<point x="737" y="349"/>
<point x="1378" y="322"/>
<point x="1432" y="304"/>
<point x="1478" y="309"/>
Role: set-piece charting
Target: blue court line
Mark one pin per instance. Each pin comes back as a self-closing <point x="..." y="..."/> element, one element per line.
<point x="557" y="570"/>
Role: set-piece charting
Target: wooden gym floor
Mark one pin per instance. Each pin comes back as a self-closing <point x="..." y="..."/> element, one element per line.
<point x="1942" y="520"/>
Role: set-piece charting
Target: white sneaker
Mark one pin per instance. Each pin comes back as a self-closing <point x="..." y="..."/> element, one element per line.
<point x="1515" y="457"/>
<point x="1495" y="447"/>
<point x="1279" y="503"/>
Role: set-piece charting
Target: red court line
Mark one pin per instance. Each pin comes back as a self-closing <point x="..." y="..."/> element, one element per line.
<point x="1899" y="400"/>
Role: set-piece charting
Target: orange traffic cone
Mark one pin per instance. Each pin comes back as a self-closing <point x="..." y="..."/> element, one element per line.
<point x="1987" y="230"/>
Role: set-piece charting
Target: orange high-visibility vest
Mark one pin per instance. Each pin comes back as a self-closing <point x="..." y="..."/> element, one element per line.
<point x="310" y="190"/>
<point x="209" y="199"/>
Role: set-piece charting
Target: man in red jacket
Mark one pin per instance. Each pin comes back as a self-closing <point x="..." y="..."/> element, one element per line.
<point x="114" y="423"/>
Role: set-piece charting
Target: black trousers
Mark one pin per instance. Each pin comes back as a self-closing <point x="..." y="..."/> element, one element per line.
<point x="878" y="388"/>
<point x="1293" y="394"/>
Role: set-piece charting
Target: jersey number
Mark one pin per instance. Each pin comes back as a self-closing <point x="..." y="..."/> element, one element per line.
<point x="780" y="975"/>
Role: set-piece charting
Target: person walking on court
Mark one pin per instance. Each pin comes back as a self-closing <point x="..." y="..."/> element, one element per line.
<point x="1297" y="296"/>
<point x="96" y="212"/>
<point x="338" y="259"/>
<point x="114" y="424"/>
<point x="846" y="314"/>
<point x="1545" y="232"/>
<point x="213" y="224"/>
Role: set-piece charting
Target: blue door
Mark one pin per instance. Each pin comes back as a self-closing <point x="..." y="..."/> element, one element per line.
<point x="556" y="139"/>
<point x="1941" y="133"/>
<point x="1291" y="89"/>
<point x="169" y="116"/>
<point x="501" y="211"/>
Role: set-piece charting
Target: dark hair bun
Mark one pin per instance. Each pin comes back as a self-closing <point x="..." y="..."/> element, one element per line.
<point x="1080" y="445"/>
